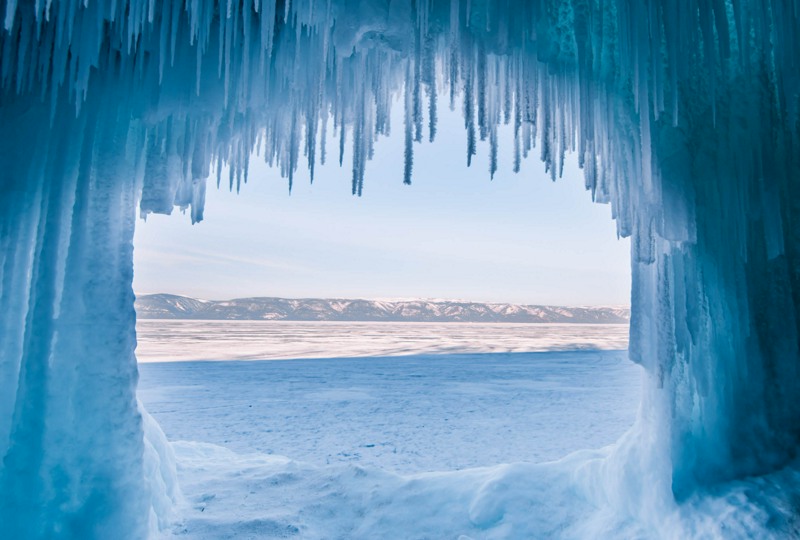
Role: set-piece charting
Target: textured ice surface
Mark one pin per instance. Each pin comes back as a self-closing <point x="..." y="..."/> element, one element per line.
<point x="684" y="115"/>
<point x="346" y="422"/>
<point x="263" y="496"/>
<point x="169" y="341"/>
<point x="407" y="414"/>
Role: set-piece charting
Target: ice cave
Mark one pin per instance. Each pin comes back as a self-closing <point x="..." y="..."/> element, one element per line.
<point x="685" y="115"/>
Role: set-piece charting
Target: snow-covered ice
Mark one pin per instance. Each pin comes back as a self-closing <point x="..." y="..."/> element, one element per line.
<point x="171" y="340"/>
<point x="407" y="414"/>
<point x="307" y="448"/>
<point x="353" y="448"/>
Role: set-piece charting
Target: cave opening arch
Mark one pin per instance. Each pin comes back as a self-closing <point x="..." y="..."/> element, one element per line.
<point x="685" y="117"/>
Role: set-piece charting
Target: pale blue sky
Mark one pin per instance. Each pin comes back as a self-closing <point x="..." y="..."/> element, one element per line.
<point x="452" y="234"/>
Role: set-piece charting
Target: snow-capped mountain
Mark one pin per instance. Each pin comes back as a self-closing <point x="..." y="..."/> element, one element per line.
<point x="169" y="306"/>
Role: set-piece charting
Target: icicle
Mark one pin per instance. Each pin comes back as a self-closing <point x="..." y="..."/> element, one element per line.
<point x="409" y="128"/>
<point x="323" y="137"/>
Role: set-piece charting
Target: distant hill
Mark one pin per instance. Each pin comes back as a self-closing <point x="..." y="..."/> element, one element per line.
<point x="169" y="306"/>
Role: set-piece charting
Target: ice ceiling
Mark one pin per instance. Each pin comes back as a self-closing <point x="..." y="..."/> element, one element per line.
<point x="684" y="115"/>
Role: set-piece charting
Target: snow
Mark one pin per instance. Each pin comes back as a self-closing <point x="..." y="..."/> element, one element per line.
<point x="352" y="448"/>
<point x="410" y="414"/>
<point x="178" y="340"/>
<point x="263" y="496"/>
<point x="287" y="499"/>
<point x="684" y="116"/>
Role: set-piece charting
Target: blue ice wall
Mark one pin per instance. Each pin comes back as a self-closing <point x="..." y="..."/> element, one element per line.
<point x="70" y="432"/>
<point x="684" y="115"/>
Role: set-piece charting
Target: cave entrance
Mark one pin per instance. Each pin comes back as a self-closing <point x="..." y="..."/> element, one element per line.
<point x="685" y="114"/>
<point x="420" y="379"/>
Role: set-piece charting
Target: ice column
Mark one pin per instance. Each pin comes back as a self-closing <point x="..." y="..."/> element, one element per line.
<point x="70" y="432"/>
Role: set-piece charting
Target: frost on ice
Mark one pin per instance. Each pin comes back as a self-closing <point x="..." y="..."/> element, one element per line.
<point x="684" y="116"/>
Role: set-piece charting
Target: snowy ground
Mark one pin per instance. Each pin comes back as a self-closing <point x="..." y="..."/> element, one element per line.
<point x="349" y="447"/>
<point x="409" y="414"/>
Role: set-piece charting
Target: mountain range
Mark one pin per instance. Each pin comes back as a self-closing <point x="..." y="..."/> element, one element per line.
<point x="170" y="306"/>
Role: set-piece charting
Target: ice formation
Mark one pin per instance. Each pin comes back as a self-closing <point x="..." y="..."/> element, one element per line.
<point x="684" y="115"/>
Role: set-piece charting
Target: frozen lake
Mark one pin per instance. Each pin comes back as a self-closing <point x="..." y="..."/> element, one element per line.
<point x="174" y="340"/>
<point x="367" y="440"/>
<point x="412" y="413"/>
